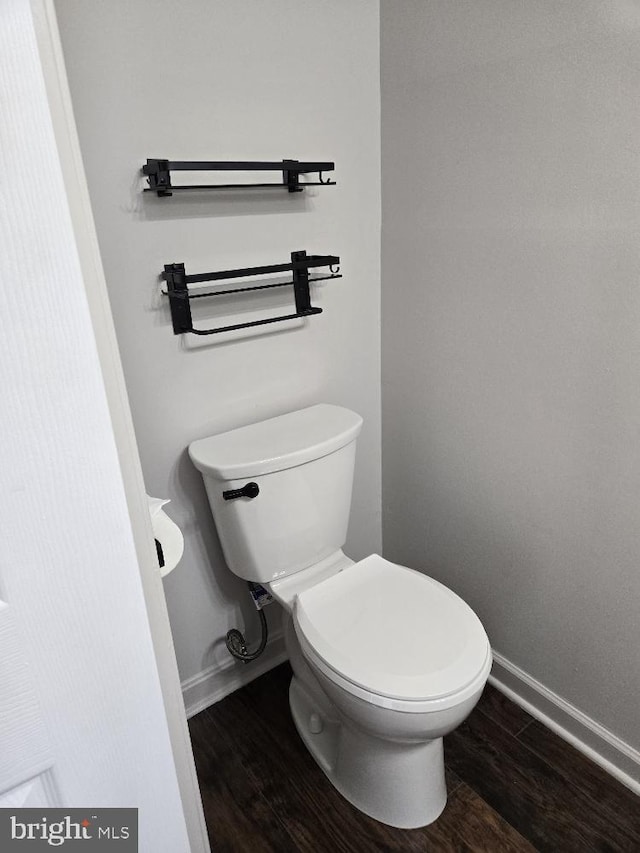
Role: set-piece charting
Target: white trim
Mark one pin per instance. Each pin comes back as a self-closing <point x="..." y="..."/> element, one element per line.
<point x="598" y="743"/>
<point x="220" y="679"/>
<point x="52" y="60"/>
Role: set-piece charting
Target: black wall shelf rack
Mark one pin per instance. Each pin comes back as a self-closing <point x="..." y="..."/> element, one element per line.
<point x="179" y="295"/>
<point x="158" y="174"/>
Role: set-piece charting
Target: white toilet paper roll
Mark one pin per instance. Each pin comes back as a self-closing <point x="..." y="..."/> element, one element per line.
<point x="167" y="533"/>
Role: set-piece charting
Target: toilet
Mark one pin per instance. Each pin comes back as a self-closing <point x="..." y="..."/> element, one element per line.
<point x="386" y="660"/>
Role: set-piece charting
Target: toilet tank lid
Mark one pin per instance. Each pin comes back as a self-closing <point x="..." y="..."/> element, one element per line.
<point x="275" y="444"/>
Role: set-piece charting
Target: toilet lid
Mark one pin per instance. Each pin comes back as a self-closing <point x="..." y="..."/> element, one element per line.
<point x="393" y="631"/>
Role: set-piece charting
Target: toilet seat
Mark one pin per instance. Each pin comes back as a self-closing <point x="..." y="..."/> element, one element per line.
<point x="393" y="636"/>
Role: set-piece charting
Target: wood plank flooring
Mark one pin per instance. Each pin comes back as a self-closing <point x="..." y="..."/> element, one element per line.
<point x="513" y="786"/>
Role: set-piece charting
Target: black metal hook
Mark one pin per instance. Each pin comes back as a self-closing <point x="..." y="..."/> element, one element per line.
<point x="332" y="270"/>
<point x="326" y="183"/>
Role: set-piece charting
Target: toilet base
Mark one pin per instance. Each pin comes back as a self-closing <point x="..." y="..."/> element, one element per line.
<point x="400" y="784"/>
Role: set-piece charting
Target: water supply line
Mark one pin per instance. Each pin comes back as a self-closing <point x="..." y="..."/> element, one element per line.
<point x="236" y="643"/>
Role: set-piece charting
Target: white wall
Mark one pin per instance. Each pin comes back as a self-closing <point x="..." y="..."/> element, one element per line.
<point x="511" y="305"/>
<point x="221" y="80"/>
<point x="68" y="567"/>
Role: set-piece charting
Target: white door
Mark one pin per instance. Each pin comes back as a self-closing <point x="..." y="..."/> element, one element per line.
<point x="25" y="749"/>
<point x="85" y="718"/>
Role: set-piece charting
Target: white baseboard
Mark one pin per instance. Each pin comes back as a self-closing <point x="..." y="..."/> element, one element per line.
<point x="594" y="740"/>
<point x="220" y="679"/>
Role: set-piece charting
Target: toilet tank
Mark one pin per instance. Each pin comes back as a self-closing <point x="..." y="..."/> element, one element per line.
<point x="302" y="464"/>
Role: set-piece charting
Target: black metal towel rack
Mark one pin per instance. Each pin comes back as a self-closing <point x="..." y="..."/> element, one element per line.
<point x="179" y="296"/>
<point x="158" y="174"/>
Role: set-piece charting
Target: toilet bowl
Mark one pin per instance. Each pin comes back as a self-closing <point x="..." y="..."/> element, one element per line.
<point x="386" y="661"/>
<point x="393" y="661"/>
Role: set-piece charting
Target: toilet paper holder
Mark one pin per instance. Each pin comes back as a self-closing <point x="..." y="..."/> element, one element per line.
<point x="168" y="537"/>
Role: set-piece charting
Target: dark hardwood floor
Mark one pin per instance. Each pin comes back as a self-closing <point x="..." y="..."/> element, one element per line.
<point x="513" y="786"/>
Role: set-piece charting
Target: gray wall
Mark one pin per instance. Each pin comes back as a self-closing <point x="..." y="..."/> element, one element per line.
<point x="232" y="81"/>
<point x="511" y="328"/>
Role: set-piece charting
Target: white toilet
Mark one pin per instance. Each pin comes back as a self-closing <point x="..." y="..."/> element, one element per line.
<point x="385" y="659"/>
